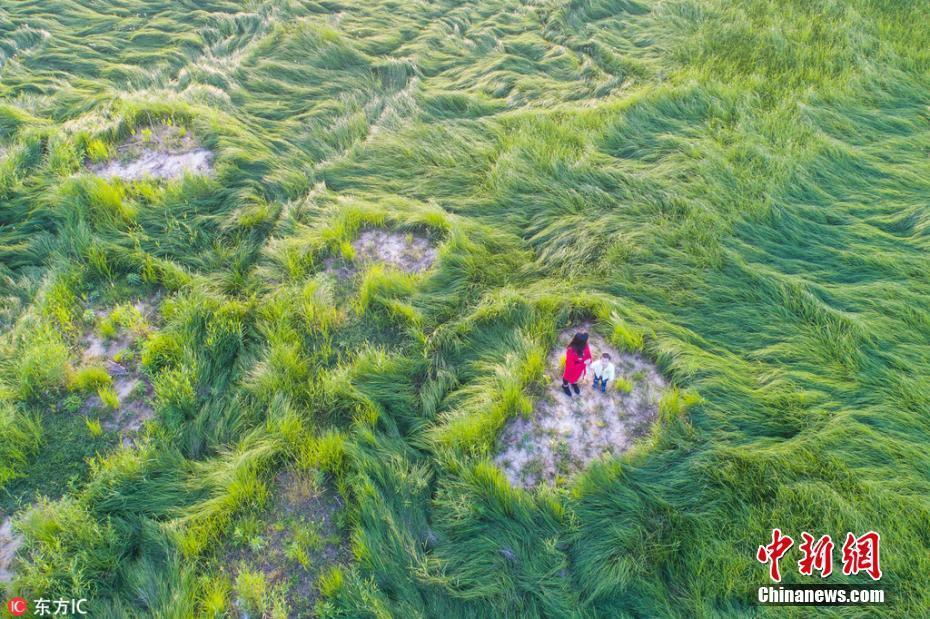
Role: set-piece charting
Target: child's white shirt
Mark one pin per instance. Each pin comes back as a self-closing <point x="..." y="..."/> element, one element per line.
<point x="604" y="369"/>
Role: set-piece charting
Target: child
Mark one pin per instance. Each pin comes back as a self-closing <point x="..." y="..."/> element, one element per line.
<point x="577" y="357"/>
<point x="603" y="371"/>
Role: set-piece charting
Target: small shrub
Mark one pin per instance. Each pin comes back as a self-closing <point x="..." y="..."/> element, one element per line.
<point x="124" y="316"/>
<point x="214" y="597"/>
<point x="623" y="385"/>
<point x="71" y="404"/>
<point x="109" y="397"/>
<point x="97" y="151"/>
<point x="160" y="351"/>
<point x="89" y="378"/>
<point x="94" y="427"/>
<point x="330" y="581"/>
<point x="346" y="250"/>
<point x="252" y="589"/>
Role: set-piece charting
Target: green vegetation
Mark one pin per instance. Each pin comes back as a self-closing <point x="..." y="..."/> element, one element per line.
<point x="736" y="188"/>
<point x="89" y="378"/>
<point x="121" y="317"/>
<point x="252" y="591"/>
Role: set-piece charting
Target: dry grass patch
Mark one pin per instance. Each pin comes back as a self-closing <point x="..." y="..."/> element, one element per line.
<point x="163" y="151"/>
<point x="563" y="435"/>
<point x="286" y="550"/>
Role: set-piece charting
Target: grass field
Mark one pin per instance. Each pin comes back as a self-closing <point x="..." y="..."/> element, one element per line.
<point x="738" y="189"/>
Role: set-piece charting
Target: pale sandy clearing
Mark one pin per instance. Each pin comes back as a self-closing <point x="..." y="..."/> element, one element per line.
<point x="160" y="152"/>
<point x="131" y="386"/>
<point x="563" y="435"/>
<point x="10" y="541"/>
<point x="409" y="252"/>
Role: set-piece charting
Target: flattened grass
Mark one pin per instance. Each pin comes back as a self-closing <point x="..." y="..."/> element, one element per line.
<point x="736" y="189"/>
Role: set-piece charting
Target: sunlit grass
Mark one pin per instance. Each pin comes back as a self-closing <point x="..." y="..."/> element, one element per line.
<point x="735" y="190"/>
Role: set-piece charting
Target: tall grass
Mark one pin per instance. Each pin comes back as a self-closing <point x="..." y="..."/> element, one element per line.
<point x="23" y="434"/>
<point x="735" y="189"/>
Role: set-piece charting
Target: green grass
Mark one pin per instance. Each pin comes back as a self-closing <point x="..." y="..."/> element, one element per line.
<point x="55" y="458"/>
<point x="737" y="189"/>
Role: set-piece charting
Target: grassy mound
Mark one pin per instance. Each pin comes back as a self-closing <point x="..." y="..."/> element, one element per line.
<point x="735" y="189"/>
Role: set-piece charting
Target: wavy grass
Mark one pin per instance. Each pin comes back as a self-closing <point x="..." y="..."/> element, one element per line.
<point x="736" y="189"/>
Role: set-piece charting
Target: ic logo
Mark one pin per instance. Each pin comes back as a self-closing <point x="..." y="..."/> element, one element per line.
<point x="17" y="607"/>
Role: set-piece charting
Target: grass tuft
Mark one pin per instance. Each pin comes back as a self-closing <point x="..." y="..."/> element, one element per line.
<point x="735" y="189"/>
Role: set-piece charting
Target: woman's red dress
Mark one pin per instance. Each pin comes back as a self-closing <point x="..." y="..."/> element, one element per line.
<point x="575" y="366"/>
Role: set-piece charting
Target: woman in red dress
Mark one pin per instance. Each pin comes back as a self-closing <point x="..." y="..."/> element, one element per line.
<point x="577" y="357"/>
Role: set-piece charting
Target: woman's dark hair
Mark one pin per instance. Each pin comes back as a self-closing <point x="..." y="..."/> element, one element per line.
<point x="578" y="343"/>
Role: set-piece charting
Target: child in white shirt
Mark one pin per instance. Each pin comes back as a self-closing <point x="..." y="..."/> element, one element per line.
<point x="603" y="371"/>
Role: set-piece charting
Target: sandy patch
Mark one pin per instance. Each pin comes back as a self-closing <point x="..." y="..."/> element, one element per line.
<point x="564" y="434"/>
<point x="299" y="536"/>
<point x="132" y="387"/>
<point x="409" y="252"/>
<point x="159" y="152"/>
<point x="135" y="398"/>
<point x="97" y="348"/>
<point x="10" y="542"/>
